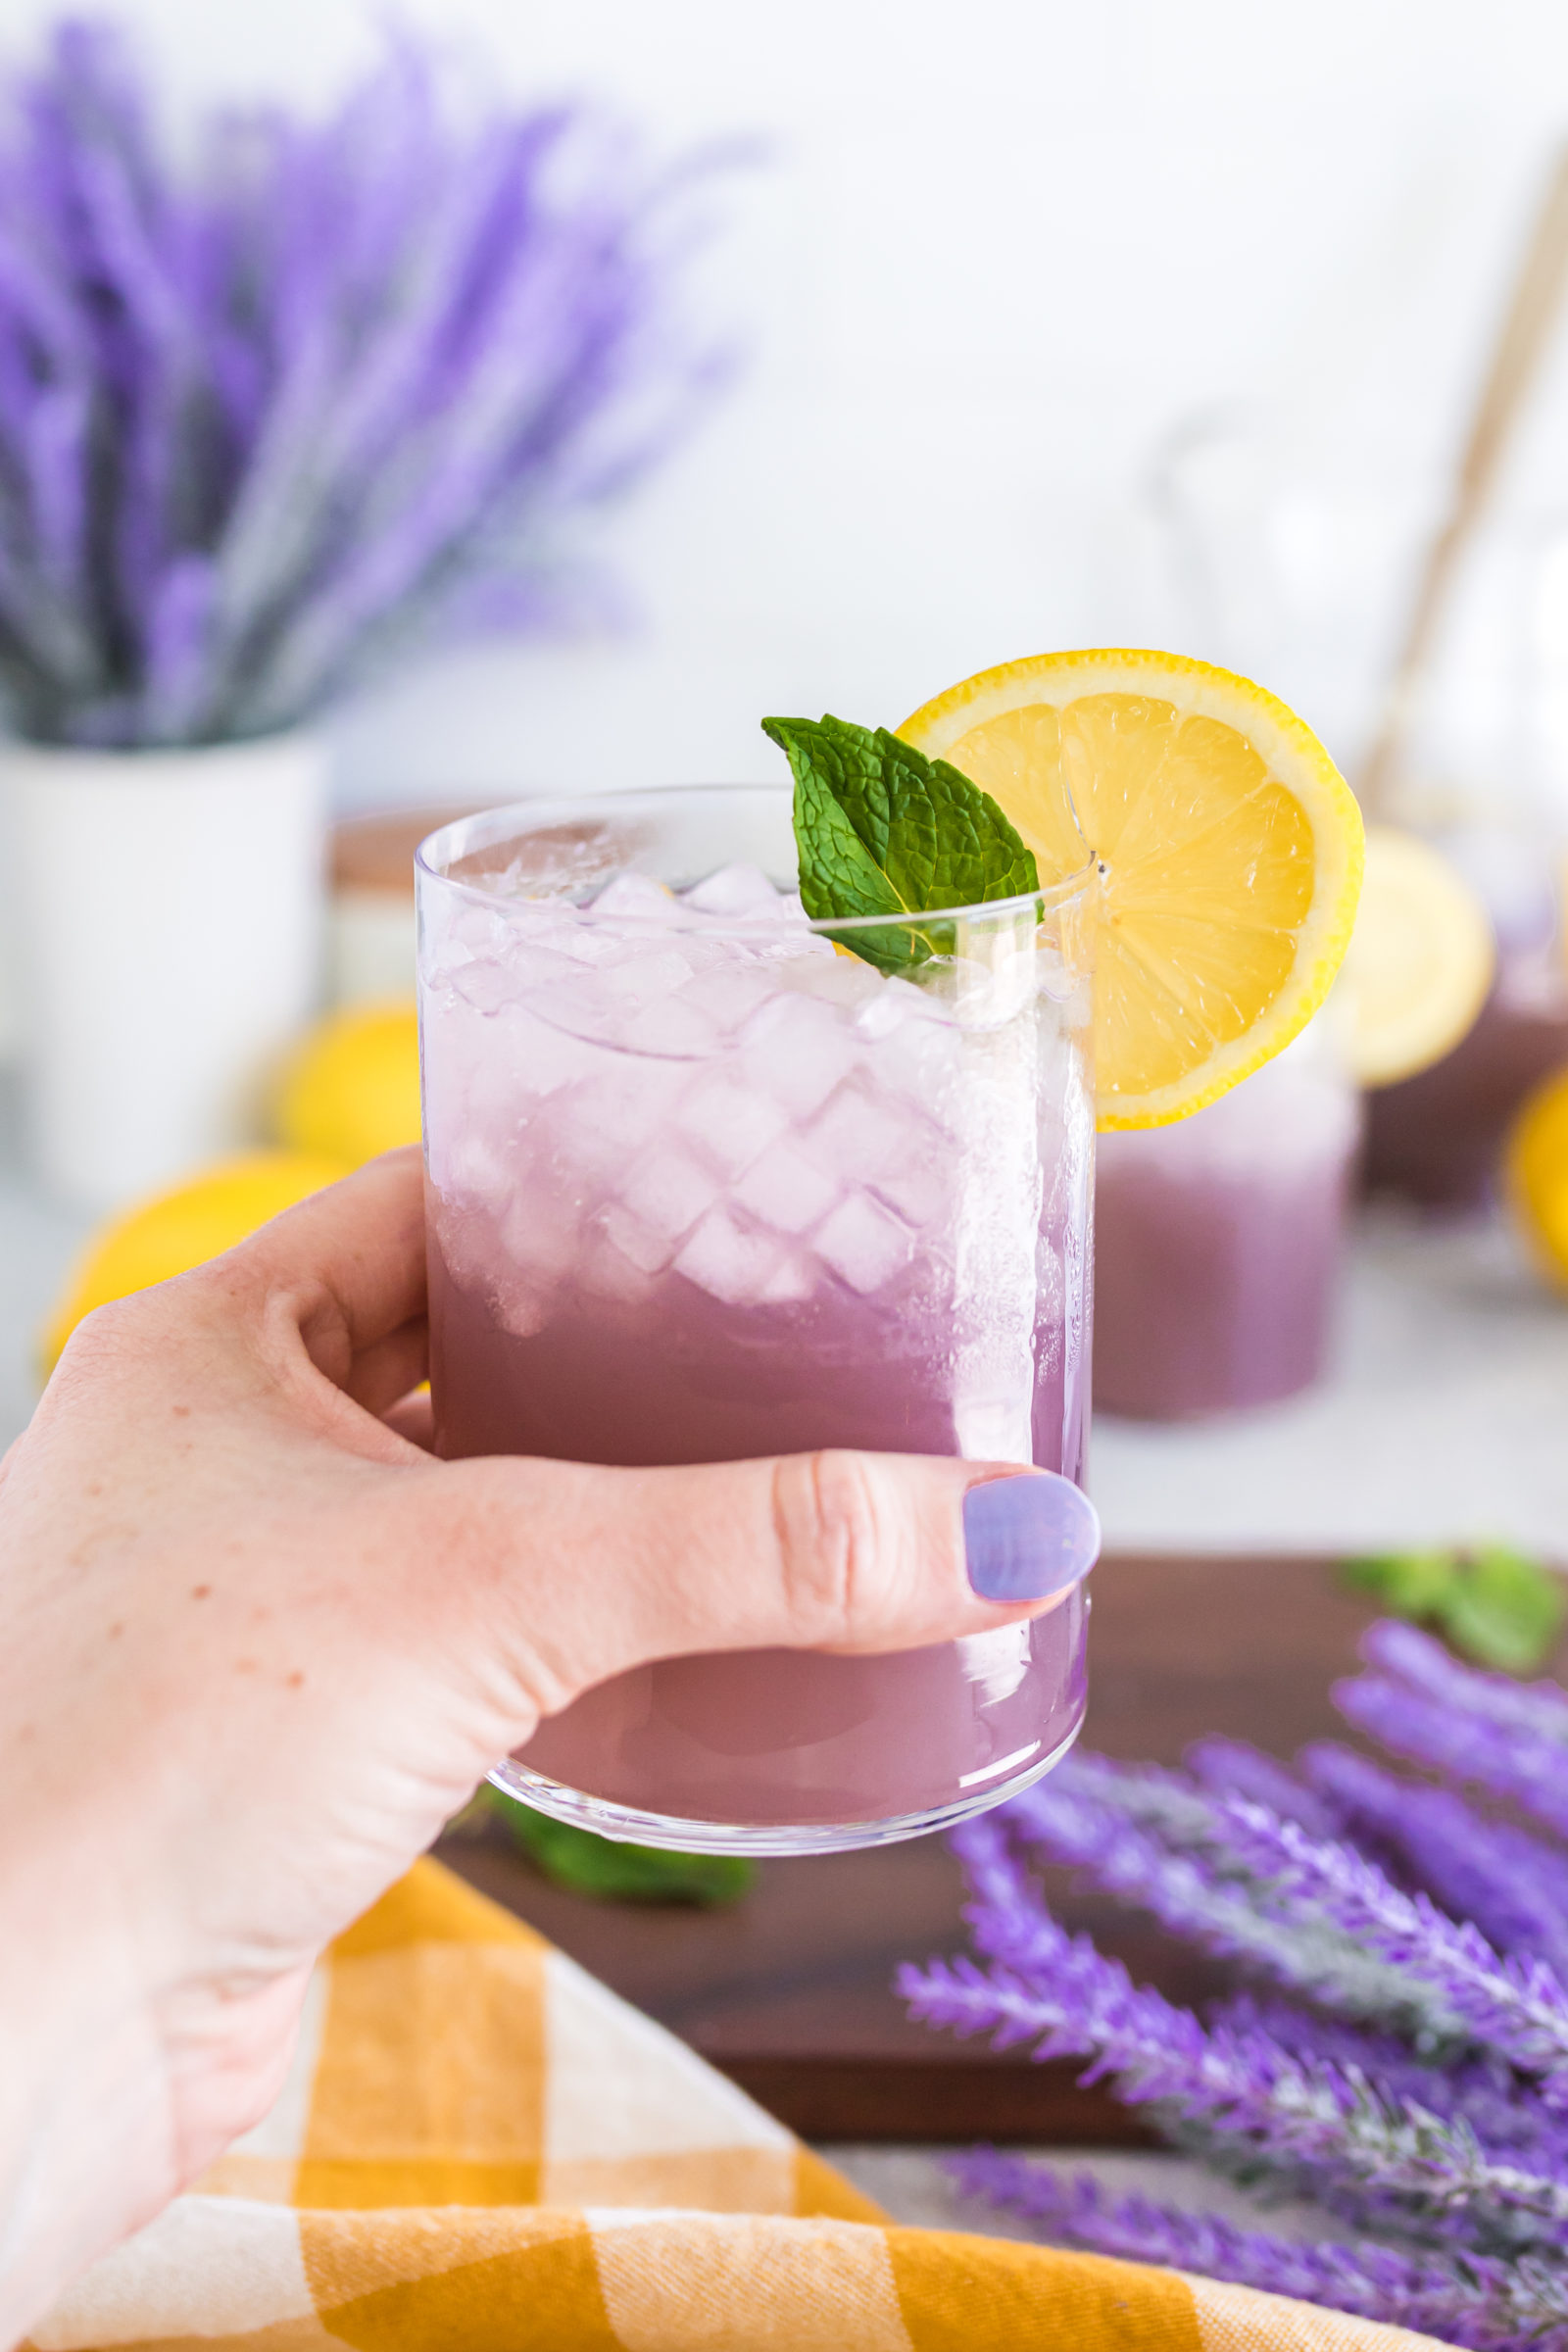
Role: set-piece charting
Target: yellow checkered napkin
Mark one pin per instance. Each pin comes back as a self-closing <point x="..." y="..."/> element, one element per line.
<point x="480" y="2149"/>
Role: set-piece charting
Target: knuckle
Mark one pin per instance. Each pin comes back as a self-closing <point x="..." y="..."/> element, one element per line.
<point x="829" y="1537"/>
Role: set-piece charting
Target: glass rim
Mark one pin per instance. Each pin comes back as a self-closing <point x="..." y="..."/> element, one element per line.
<point x="553" y="809"/>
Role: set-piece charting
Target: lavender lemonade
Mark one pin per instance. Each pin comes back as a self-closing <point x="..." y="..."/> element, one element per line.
<point x="706" y="1184"/>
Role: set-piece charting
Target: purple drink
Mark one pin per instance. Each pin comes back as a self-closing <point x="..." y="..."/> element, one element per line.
<point x="1218" y="1244"/>
<point x="704" y="1188"/>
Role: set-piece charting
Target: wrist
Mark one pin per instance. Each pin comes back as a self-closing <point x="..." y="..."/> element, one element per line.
<point x="86" y="2150"/>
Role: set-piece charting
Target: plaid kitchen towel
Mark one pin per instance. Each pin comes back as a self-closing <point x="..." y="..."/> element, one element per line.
<point x="481" y="2150"/>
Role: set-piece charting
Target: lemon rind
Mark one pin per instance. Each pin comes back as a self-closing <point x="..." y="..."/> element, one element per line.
<point x="1292" y="755"/>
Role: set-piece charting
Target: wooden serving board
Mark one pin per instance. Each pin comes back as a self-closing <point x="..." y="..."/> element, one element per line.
<point x="790" y="1992"/>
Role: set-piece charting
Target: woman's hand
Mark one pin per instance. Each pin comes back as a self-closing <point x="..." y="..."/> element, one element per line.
<point x="256" y="1645"/>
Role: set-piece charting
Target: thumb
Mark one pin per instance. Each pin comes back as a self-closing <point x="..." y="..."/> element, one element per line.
<point x="605" y="1569"/>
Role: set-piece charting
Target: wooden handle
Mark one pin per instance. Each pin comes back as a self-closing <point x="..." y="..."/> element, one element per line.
<point x="1521" y="344"/>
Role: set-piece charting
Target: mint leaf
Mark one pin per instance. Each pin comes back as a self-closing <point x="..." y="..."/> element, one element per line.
<point x="881" y="830"/>
<point x="1495" y="1604"/>
<point x="1505" y="1611"/>
<point x="600" y="1867"/>
<point x="1407" y="1584"/>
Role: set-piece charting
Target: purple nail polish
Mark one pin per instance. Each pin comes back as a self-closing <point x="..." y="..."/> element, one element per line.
<point x="1028" y="1537"/>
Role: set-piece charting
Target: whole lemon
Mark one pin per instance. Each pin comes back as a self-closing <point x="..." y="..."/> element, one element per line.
<point x="1536" y="1172"/>
<point x="351" y="1088"/>
<point x="183" y="1228"/>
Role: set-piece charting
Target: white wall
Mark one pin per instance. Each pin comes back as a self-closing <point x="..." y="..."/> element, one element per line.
<point x="995" y="248"/>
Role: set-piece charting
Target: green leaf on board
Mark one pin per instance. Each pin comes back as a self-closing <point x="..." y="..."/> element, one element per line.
<point x="1506" y="1610"/>
<point x="1496" y="1605"/>
<point x="881" y="830"/>
<point x="604" y="1868"/>
<point x="1407" y="1584"/>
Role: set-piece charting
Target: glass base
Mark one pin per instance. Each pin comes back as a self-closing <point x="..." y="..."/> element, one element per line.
<point x="629" y="1827"/>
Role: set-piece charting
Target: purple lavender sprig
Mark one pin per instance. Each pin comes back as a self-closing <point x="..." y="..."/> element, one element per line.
<point x="1153" y="1838"/>
<point x="1510" y="1741"/>
<point x="1514" y="2007"/>
<point x="1488" y="2304"/>
<point x="1511" y="1885"/>
<point x="1414" y="2081"/>
<point x="270" y="413"/>
<point x="1308" y="2119"/>
<point x="1231" y="1768"/>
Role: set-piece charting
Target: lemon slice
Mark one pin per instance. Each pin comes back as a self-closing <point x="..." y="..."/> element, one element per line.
<point x="1227" y="843"/>
<point x="1536" y="1175"/>
<point x="1419" y="963"/>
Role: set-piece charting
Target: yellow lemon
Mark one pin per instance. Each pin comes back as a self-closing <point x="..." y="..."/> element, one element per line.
<point x="1536" y="1174"/>
<point x="1419" y="963"/>
<point x="1227" y="848"/>
<point x="181" y="1229"/>
<point x="351" y="1088"/>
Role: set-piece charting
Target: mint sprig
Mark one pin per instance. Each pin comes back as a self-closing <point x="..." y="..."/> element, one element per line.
<point x="603" y="1867"/>
<point x="1493" y="1604"/>
<point x="881" y="830"/>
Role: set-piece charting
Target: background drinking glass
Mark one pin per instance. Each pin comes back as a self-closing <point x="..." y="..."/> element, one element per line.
<point x="1219" y="1243"/>
<point x="1304" y="572"/>
<point x="704" y="1187"/>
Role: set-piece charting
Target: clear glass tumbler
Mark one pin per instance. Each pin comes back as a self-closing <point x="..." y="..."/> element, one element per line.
<point x="1220" y="1242"/>
<point x="703" y="1186"/>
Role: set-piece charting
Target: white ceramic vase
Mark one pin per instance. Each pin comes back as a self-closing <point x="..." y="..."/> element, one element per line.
<point x="166" y="911"/>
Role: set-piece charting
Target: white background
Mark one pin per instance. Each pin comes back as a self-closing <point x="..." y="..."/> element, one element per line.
<point x="987" y="253"/>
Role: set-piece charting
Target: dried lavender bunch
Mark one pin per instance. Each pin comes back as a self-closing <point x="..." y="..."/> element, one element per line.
<point x="270" y="413"/>
<point x="1409" y="2074"/>
<point x="1508" y="1738"/>
<point x="1495" y="2306"/>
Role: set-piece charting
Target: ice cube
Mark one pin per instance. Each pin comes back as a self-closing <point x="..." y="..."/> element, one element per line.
<point x="730" y="1264"/>
<point x="729" y="990"/>
<point x="466" y="1165"/>
<point x="521" y="1307"/>
<point x="843" y="980"/>
<point x="730" y="1123"/>
<point x="858" y="1135"/>
<point x="785" y="1190"/>
<point x="605" y="1270"/>
<point x="598" y="1127"/>
<point x="735" y="890"/>
<point x="618" y="1003"/>
<point x="889" y="1007"/>
<point x="798" y="1050"/>
<point x="539" y="1056"/>
<point x="674" y="1030"/>
<point x="659" y="1203"/>
<point x="863" y="1245"/>
<point x="541" y="1231"/>
<point x="635" y="897"/>
<point x="792" y="1280"/>
<point x="919" y="1189"/>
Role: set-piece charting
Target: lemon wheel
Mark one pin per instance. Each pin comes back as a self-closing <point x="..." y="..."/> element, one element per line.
<point x="1226" y="848"/>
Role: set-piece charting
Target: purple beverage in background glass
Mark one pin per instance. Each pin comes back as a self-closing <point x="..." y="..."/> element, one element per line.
<point x="704" y="1187"/>
<point x="1218" y="1244"/>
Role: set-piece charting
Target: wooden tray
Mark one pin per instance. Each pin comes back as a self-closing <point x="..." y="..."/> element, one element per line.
<point x="790" y="1992"/>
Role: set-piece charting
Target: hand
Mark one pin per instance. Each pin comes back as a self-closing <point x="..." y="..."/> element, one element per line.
<point x="256" y="1646"/>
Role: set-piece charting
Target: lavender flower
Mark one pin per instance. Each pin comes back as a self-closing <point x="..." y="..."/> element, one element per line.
<point x="1189" y="1869"/>
<point x="1230" y="1768"/>
<point x="266" y="419"/>
<point x="1516" y="2008"/>
<point x="1413" y="2081"/>
<point x="1309" y="2120"/>
<point x="1509" y="1741"/>
<point x="1511" y="1885"/>
<point x="1491" y="2305"/>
